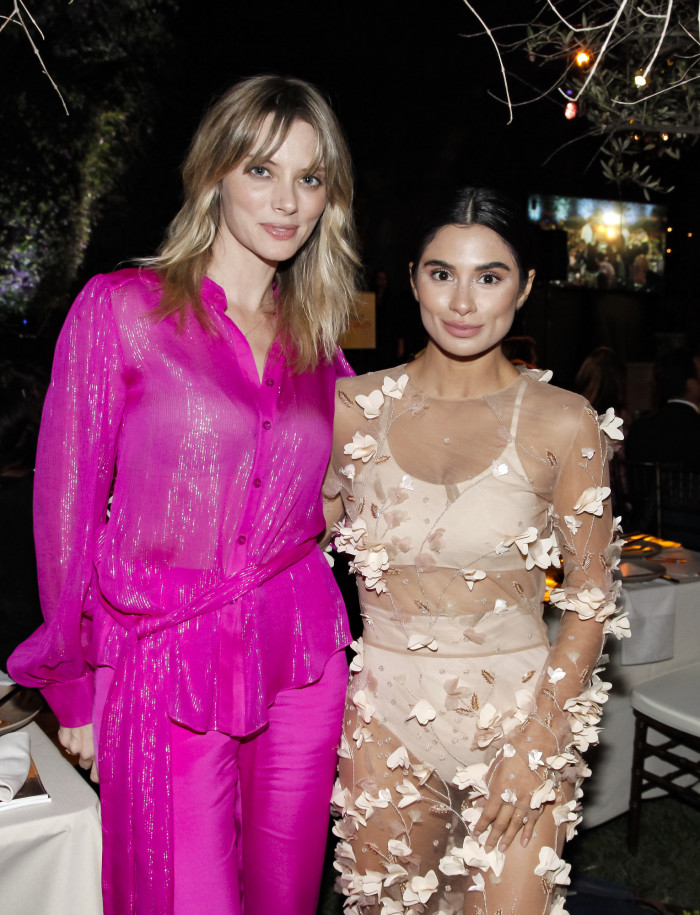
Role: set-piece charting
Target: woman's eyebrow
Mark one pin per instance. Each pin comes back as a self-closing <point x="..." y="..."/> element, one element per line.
<point x="493" y="265"/>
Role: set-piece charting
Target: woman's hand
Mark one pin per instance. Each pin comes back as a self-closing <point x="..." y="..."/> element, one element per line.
<point x="79" y="742"/>
<point x="333" y="511"/>
<point x="507" y="810"/>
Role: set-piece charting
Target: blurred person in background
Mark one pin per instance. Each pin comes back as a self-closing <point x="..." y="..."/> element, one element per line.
<point x="671" y="434"/>
<point x="602" y="380"/>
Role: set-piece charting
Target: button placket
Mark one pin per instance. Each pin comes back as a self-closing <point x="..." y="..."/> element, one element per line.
<point x="267" y="403"/>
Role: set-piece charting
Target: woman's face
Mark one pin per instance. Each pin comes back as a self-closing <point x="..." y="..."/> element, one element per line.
<point x="270" y="210"/>
<point x="468" y="286"/>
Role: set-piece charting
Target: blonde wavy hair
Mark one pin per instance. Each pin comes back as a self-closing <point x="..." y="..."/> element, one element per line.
<point x="317" y="287"/>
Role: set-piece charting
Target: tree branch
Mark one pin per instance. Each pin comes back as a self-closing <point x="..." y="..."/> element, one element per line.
<point x="17" y="18"/>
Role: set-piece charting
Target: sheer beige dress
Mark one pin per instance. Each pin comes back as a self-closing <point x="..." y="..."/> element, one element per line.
<point x="454" y="510"/>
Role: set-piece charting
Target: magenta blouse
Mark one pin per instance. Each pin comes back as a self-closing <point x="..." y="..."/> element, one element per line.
<point x="218" y="476"/>
<point x="200" y="583"/>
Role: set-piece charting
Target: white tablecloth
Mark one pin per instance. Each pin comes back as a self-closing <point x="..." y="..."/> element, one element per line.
<point x="50" y="854"/>
<point x="607" y="790"/>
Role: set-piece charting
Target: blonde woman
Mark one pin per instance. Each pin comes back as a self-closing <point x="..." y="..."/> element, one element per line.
<point x="463" y="480"/>
<point x="192" y="646"/>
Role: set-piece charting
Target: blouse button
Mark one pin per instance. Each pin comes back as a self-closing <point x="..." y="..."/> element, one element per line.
<point x="257" y="482"/>
<point x="267" y="424"/>
<point x="269" y="382"/>
<point x="241" y="539"/>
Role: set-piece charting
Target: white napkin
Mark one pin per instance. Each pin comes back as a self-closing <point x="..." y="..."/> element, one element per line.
<point x="652" y="613"/>
<point x="14" y="763"/>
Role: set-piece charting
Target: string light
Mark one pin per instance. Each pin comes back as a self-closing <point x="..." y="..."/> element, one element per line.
<point x="571" y="110"/>
<point x="583" y="58"/>
<point x="690" y="234"/>
<point x="664" y="137"/>
<point x="640" y="80"/>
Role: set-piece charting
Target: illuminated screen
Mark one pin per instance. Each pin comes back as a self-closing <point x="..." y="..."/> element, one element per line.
<point x="608" y="243"/>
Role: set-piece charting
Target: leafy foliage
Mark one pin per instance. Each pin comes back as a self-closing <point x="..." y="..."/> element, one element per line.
<point x="60" y="171"/>
<point x="635" y="83"/>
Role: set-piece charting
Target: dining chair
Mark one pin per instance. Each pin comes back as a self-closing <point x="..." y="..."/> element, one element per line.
<point x="669" y="707"/>
<point x="664" y="500"/>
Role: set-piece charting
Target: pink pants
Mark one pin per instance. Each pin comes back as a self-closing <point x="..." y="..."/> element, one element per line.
<point x="250" y="817"/>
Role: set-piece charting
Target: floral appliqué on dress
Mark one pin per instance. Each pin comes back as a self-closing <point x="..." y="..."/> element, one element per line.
<point x="454" y="512"/>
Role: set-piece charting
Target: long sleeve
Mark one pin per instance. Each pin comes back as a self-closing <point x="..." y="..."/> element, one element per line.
<point x="74" y="473"/>
<point x="570" y="693"/>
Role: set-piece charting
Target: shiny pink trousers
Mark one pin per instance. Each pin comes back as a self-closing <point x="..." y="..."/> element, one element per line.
<point x="250" y="817"/>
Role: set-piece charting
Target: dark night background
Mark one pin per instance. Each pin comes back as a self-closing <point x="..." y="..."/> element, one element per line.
<point x="411" y="91"/>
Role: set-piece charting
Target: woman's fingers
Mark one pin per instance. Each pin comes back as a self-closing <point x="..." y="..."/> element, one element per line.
<point x="517" y="820"/>
<point x="523" y="822"/>
<point x="529" y="826"/>
<point x="79" y="742"/>
<point x="499" y="826"/>
<point x="488" y="815"/>
<point x="505" y="824"/>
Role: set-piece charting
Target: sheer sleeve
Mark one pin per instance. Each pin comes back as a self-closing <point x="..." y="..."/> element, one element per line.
<point x="332" y="483"/>
<point x="74" y="473"/>
<point x="570" y="693"/>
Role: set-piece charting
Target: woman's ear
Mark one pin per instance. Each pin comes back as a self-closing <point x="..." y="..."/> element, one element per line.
<point x="526" y="290"/>
<point x="410" y="278"/>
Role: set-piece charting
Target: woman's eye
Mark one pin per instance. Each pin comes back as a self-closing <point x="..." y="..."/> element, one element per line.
<point x="311" y="181"/>
<point x="441" y="275"/>
<point x="259" y="171"/>
<point x="488" y="279"/>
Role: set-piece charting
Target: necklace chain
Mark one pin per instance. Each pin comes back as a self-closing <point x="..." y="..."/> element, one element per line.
<point x="249" y="332"/>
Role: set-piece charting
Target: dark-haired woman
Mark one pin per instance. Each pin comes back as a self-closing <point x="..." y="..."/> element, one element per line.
<point x="193" y="629"/>
<point x="463" y="480"/>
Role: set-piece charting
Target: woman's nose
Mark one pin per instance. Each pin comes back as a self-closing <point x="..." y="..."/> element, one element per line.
<point x="462" y="301"/>
<point x="285" y="198"/>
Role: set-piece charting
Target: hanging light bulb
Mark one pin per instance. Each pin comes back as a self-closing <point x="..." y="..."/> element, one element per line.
<point x="640" y="80"/>
<point x="583" y="58"/>
<point x="570" y="111"/>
